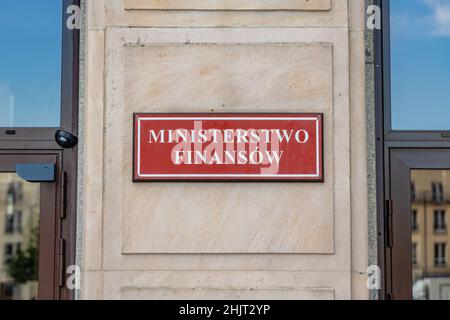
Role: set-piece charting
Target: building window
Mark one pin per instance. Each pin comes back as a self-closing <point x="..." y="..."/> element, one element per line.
<point x="415" y="223"/>
<point x="414" y="254"/>
<point x="440" y="255"/>
<point x="15" y="191"/>
<point x="437" y="192"/>
<point x="413" y="192"/>
<point x="13" y="196"/>
<point x="9" y="253"/>
<point x="9" y="224"/>
<point x="6" y="291"/>
<point x="13" y="222"/>
<point x="18" y="221"/>
<point x="439" y="221"/>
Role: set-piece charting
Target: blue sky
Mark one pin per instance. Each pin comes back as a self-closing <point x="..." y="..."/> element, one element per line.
<point x="420" y="63"/>
<point x="30" y="62"/>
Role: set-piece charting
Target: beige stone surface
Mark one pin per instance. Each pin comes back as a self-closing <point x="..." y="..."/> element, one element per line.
<point x="237" y="217"/>
<point x="93" y="204"/>
<point x="358" y="152"/>
<point x="95" y="17"/>
<point x="219" y="293"/>
<point x="228" y="78"/>
<point x="116" y="16"/>
<point x="111" y="269"/>
<point x="228" y="4"/>
<point x="92" y="285"/>
<point x="115" y="132"/>
<point x="226" y="285"/>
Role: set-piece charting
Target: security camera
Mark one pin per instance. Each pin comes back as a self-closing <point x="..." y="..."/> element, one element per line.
<point x="65" y="139"/>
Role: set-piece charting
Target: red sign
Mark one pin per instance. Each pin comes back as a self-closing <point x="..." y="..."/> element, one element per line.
<point x="193" y="147"/>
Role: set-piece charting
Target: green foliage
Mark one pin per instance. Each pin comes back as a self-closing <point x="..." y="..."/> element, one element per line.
<point x="23" y="267"/>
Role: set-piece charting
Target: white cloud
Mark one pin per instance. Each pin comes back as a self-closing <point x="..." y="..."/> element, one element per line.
<point x="441" y="16"/>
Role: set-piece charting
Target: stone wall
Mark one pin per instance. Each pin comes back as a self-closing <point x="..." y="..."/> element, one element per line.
<point x="224" y="240"/>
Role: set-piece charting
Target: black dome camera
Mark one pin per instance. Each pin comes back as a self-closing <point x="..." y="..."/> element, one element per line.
<point x="65" y="139"/>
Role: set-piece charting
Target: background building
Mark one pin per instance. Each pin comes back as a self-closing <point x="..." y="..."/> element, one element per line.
<point x="430" y="195"/>
<point x="19" y="227"/>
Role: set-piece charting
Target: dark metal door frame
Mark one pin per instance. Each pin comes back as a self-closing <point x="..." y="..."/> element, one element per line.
<point x="402" y="161"/>
<point x="48" y="222"/>
<point x="39" y="141"/>
<point x="389" y="143"/>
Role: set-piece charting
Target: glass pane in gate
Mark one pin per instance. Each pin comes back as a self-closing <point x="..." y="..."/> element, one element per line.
<point x="430" y="206"/>
<point x="19" y="236"/>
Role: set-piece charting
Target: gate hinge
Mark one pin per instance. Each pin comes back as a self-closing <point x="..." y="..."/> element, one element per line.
<point x="61" y="262"/>
<point x="389" y="223"/>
